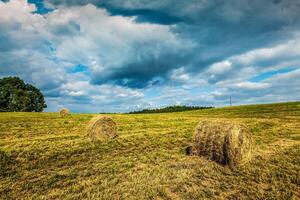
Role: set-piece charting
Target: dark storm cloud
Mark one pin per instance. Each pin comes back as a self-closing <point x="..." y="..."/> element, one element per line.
<point x="150" y="70"/>
<point x="145" y="15"/>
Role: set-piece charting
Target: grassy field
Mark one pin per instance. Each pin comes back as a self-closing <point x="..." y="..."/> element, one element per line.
<point x="44" y="156"/>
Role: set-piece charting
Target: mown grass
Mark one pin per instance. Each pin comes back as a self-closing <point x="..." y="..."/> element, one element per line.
<point x="45" y="156"/>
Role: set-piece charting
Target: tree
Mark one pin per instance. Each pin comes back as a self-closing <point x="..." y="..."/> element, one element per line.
<point x="176" y="108"/>
<point x="16" y="96"/>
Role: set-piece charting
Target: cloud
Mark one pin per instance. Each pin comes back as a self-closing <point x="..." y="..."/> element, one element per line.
<point x="179" y="75"/>
<point x="110" y="46"/>
<point x="24" y="49"/>
<point x="220" y="68"/>
<point x="254" y="62"/>
<point x="81" y="96"/>
<point x="42" y="49"/>
<point x="280" y="87"/>
<point x="237" y="25"/>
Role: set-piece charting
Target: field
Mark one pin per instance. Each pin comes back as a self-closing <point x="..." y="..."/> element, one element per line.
<point x="45" y="156"/>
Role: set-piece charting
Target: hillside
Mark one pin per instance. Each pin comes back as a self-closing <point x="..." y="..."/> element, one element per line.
<point x="45" y="156"/>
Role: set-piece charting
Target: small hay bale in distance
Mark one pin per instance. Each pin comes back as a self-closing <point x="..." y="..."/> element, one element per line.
<point x="225" y="142"/>
<point x="64" y="112"/>
<point x="102" y="127"/>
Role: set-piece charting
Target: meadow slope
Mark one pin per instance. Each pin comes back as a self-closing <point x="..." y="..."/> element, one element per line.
<point x="45" y="156"/>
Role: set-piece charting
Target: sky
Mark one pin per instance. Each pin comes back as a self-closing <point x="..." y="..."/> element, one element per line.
<point x="123" y="55"/>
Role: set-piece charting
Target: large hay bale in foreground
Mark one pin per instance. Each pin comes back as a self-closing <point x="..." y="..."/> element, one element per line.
<point x="102" y="127"/>
<point x="225" y="142"/>
<point x="64" y="112"/>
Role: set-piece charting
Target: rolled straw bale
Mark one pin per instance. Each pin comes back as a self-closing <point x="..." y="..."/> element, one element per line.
<point x="64" y="112"/>
<point x="225" y="142"/>
<point x="102" y="127"/>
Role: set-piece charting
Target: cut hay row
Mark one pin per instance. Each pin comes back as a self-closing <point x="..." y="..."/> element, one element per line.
<point x="225" y="142"/>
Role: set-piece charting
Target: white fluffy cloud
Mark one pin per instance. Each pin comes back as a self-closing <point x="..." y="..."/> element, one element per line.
<point x="242" y="67"/>
<point x="43" y="48"/>
<point x="108" y="44"/>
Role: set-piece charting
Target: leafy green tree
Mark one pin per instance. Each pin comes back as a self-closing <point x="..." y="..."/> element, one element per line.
<point x="16" y="96"/>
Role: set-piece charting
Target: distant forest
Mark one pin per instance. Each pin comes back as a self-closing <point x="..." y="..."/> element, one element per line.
<point x="171" y="109"/>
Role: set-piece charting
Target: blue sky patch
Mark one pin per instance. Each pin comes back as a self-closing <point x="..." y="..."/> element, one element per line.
<point x="79" y="69"/>
<point x="269" y="74"/>
<point x="41" y="9"/>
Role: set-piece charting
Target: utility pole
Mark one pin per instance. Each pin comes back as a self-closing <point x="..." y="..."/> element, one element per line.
<point x="230" y="100"/>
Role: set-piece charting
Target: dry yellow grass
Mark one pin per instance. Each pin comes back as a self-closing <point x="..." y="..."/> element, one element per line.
<point x="46" y="156"/>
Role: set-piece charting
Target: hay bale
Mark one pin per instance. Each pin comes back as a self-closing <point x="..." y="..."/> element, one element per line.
<point x="64" y="112"/>
<point x="102" y="127"/>
<point x="225" y="142"/>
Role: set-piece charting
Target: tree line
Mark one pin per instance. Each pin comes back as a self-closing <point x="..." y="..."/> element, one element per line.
<point x="175" y="108"/>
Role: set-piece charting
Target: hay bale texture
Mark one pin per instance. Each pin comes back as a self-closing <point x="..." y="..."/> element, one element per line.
<point x="102" y="127"/>
<point x="64" y="112"/>
<point x="225" y="142"/>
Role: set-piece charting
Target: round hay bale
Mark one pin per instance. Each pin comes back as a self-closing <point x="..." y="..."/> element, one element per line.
<point x="102" y="127"/>
<point x="225" y="142"/>
<point x="64" y="112"/>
